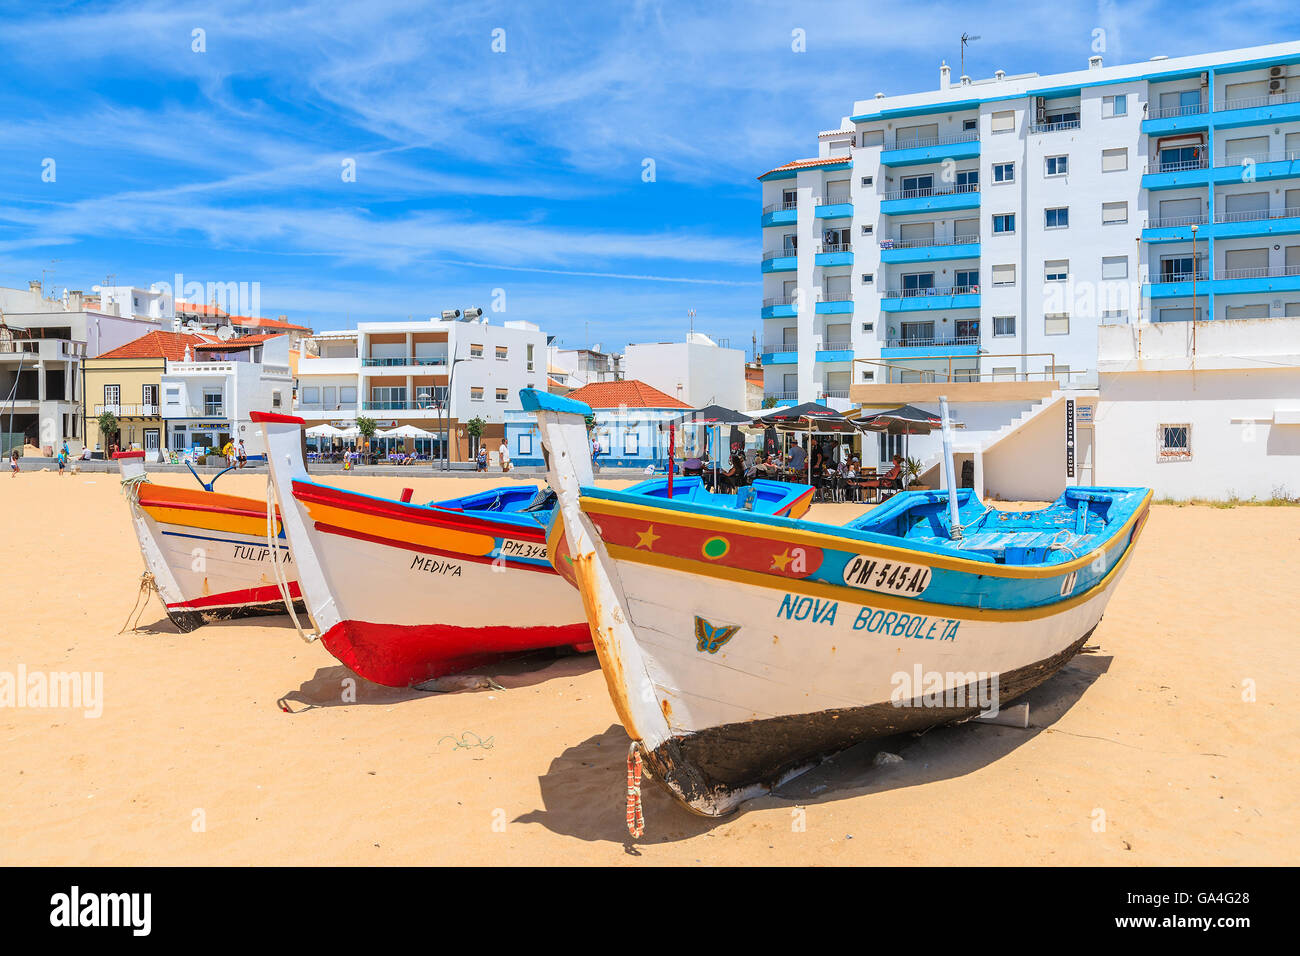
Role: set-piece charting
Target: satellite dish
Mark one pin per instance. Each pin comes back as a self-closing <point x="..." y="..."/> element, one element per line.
<point x="193" y="326"/>
<point x="224" y="332"/>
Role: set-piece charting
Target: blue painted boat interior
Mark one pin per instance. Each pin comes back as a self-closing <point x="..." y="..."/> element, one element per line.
<point x="1076" y="523"/>
<point x="768" y="497"/>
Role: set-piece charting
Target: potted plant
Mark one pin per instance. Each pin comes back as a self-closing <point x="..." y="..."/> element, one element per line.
<point x="366" y="426"/>
<point x="474" y="427"/>
<point x="911" y="474"/>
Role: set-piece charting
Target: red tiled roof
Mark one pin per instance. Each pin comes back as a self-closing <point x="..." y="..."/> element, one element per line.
<point x="251" y="322"/>
<point x="808" y="163"/>
<point x="157" y="344"/>
<point x="197" y="308"/>
<point x="239" y="341"/>
<point x="631" y="392"/>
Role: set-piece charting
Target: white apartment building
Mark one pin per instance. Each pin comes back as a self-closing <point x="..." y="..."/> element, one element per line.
<point x="973" y="239"/>
<point x="698" y="371"/>
<point x="429" y="374"/>
<point x="41" y="355"/>
<point x="575" y="368"/>
<point x="207" y="397"/>
<point x="134" y="302"/>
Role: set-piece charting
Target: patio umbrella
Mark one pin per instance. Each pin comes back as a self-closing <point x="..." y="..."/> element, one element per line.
<point x="324" y="431"/>
<point x="808" y="417"/>
<point x="906" y="420"/>
<point x="405" y="431"/>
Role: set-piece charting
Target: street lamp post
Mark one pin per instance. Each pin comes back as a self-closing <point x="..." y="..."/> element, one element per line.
<point x="1194" y="227"/>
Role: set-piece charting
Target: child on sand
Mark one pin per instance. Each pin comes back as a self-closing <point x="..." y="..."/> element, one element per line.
<point x="13" y="462"/>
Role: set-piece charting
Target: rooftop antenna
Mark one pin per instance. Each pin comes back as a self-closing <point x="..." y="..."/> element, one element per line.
<point x="691" y="315"/>
<point x="965" y="38"/>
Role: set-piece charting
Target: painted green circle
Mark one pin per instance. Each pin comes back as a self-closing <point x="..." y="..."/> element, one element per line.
<point x="716" y="547"/>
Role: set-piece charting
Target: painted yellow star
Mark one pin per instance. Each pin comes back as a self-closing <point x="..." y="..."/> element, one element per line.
<point x="779" y="561"/>
<point x="647" y="538"/>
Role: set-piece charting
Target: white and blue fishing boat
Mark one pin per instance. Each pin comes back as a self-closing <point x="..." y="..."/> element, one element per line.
<point x="740" y="647"/>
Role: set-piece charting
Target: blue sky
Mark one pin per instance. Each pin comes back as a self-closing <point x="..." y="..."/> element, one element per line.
<point x="478" y="170"/>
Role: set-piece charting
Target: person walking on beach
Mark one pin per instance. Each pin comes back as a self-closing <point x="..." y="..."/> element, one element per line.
<point x="504" y="452"/>
<point x="13" y="463"/>
<point x="228" y="450"/>
<point x="243" y="455"/>
<point x="481" y="459"/>
<point x="63" y="461"/>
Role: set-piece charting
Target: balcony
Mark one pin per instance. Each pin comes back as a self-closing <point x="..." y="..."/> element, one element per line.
<point x="929" y="250"/>
<point x="1056" y="126"/>
<point x="780" y="307"/>
<point x="935" y="297"/>
<point x="417" y="361"/>
<point x="913" y="151"/>
<point x="1177" y="175"/>
<point x="780" y="351"/>
<point x="781" y="397"/>
<point x="834" y="254"/>
<point x="1189" y="118"/>
<point x="1263" y="166"/>
<point x="900" y="202"/>
<point x="1227" y="225"/>
<point x="835" y="205"/>
<point x="1255" y="110"/>
<point x="129" y="411"/>
<point x="835" y="303"/>
<point x="1268" y="279"/>
<point x="918" y="342"/>
<point x="781" y="213"/>
<point x="206" y="411"/>
<point x="836" y="349"/>
<point x="780" y="260"/>
<point x="422" y="404"/>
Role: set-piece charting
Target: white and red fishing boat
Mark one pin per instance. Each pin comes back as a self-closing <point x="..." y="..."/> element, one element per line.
<point x="741" y="647"/>
<point x="403" y="592"/>
<point x="206" y="552"/>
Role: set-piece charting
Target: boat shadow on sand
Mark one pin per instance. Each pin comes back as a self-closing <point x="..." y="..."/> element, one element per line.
<point x="329" y="686"/>
<point x="582" y="789"/>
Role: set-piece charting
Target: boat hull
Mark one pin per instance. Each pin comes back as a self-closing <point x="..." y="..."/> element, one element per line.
<point x="403" y="593"/>
<point x="207" y="552"/>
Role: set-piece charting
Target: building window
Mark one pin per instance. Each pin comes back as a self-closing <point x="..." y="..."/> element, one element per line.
<point x="1175" y="442"/>
<point x="868" y="180"/>
<point x="970" y="124"/>
<point x="475" y="351"/>
<point x="868" y="326"/>
<point x="530" y="359"/>
<point x="1004" y="224"/>
<point x="1056" y="270"/>
<point x="112" y="397"/>
<point x="1114" y="267"/>
<point x="1004" y="172"/>
<point x="212" y="403"/>
<point x="867" y="278"/>
<point x="868" y="230"/>
<point x="1116" y="105"/>
<point x="868" y="376"/>
<point x="1004" y="274"/>
<point x="1114" y="160"/>
<point x="1057" y="165"/>
<point x="502" y="353"/>
<point x="1056" y="323"/>
<point x="1057" y="217"/>
<point x="525" y="444"/>
<point x="347" y="395"/>
<point x="631" y="442"/>
<point x="1003" y="121"/>
<point x="310" y="395"/>
<point x="502" y="394"/>
<point x="275" y="398"/>
<point x="1004" y="325"/>
<point x="476" y="393"/>
<point x="1114" y="213"/>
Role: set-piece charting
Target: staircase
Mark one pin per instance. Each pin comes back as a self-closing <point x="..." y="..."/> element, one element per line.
<point x="989" y="442"/>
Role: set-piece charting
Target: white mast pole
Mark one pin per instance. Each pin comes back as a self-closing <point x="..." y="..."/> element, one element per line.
<point x="949" y="471"/>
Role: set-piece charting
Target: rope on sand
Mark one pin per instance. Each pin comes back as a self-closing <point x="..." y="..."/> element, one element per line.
<point x="635" y="816"/>
<point x="148" y="586"/>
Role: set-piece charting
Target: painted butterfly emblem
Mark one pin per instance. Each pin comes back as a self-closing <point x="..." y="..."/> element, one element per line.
<point x="709" y="637"/>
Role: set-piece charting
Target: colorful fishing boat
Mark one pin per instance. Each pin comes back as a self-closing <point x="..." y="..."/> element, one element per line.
<point x="740" y="648"/>
<point x="403" y="592"/>
<point x="206" y="552"/>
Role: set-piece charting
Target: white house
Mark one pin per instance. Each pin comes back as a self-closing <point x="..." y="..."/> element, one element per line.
<point x="433" y="374"/>
<point x="206" y="399"/>
<point x="698" y="371"/>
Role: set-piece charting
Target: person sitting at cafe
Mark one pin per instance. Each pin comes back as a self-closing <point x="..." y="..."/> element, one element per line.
<point x="796" y="460"/>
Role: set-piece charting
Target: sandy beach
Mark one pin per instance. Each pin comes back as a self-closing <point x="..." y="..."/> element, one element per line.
<point x="1152" y="749"/>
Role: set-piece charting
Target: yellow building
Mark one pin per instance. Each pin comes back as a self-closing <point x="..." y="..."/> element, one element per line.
<point x="126" y="382"/>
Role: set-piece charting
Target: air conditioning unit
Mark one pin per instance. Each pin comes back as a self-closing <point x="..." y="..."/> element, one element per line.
<point x="1276" y="71"/>
<point x="1277" y="86"/>
<point x="1205" y="79"/>
<point x="1040" y="109"/>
